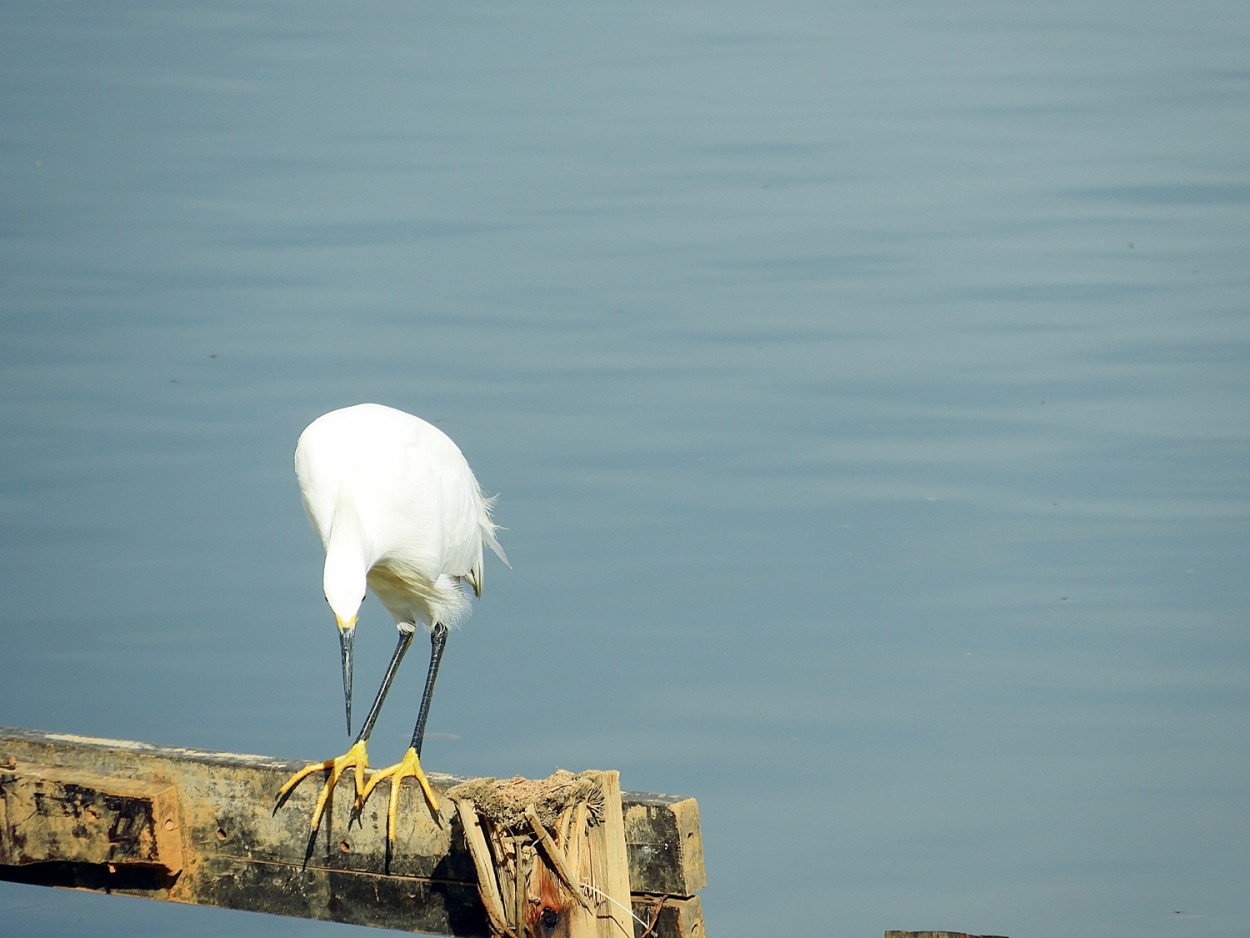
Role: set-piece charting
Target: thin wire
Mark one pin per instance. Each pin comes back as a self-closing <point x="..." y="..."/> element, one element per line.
<point x="586" y="887"/>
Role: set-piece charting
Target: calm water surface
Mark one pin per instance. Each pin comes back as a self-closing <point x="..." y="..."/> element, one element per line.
<point x="866" y="389"/>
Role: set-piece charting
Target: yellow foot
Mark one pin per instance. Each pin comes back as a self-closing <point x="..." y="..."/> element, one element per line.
<point x="353" y="758"/>
<point x="408" y="766"/>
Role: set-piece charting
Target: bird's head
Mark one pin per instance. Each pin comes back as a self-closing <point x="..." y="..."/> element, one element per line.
<point x="345" y="591"/>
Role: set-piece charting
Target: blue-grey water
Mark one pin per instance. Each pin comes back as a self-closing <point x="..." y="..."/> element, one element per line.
<point x="867" y="388"/>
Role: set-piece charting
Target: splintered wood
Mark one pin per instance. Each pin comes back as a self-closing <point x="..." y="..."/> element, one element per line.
<point x="550" y="854"/>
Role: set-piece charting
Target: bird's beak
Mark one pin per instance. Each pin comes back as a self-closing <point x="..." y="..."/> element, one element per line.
<point x="347" y="633"/>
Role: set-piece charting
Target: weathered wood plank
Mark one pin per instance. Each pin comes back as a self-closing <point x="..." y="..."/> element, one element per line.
<point x="97" y="820"/>
<point x="665" y="844"/>
<point x="671" y="916"/>
<point x="199" y="827"/>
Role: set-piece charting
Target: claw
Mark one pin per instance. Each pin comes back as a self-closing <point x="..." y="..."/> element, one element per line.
<point x="407" y="767"/>
<point x="353" y="758"/>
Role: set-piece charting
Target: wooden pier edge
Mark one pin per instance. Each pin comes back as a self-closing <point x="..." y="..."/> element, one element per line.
<point x="200" y="827"/>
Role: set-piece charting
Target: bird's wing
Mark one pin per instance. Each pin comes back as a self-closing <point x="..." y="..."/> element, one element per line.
<point x="464" y="512"/>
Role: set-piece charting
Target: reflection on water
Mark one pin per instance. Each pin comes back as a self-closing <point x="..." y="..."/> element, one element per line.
<point x="865" y="392"/>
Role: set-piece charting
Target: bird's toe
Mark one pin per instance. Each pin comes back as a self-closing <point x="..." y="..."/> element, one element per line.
<point x="355" y="758"/>
<point x="407" y="767"/>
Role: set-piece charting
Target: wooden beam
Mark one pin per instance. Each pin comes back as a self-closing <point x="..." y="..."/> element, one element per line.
<point x="186" y="825"/>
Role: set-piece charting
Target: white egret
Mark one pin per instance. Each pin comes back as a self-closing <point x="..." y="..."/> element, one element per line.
<point x="400" y="512"/>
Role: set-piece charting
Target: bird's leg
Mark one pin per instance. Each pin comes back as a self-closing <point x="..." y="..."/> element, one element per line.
<point x="356" y="757"/>
<point x="438" y="641"/>
<point x="406" y="631"/>
<point x="410" y="764"/>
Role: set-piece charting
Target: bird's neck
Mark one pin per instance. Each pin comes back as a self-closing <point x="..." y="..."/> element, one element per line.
<point x="347" y="554"/>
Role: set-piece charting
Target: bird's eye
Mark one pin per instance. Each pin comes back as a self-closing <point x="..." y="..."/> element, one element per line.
<point x="550" y="918"/>
<point x="327" y="599"/>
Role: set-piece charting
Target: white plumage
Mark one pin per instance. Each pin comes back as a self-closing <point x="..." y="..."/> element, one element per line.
<point x="397" y="508"/>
